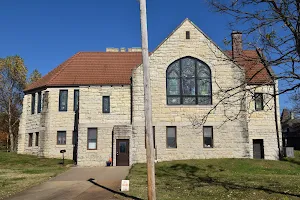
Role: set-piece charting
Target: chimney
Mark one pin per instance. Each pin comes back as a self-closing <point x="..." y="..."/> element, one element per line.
<point x="110" y="49"/>
<point x="237" y="44"/>
<point x="122" y="49"/>
<point x="135" y="49"/>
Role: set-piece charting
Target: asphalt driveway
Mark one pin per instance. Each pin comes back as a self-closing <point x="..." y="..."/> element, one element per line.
<point x="79" y="184"/>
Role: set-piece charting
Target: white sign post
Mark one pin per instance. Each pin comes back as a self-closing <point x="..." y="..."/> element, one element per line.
<point x="125" y="185"/>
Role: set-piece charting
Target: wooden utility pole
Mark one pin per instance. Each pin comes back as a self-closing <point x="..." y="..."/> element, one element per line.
<point x="147" y="105"/>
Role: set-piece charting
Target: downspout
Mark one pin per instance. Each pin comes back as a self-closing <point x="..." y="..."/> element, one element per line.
<point x="273" y="77"/>
<point x="131" y="101"/>
<point x="276" y="120"/>
<point x="112" y="148"/>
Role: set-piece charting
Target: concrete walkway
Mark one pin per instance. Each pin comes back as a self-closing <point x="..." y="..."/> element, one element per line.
<point x="80" y="184"/>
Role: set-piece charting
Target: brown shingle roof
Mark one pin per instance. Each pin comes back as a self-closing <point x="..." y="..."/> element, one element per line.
<point x="114" y="68"/>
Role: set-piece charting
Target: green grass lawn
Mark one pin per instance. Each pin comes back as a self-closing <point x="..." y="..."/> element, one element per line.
<point x="18" y="172"/>
<point x="220" y="179"/>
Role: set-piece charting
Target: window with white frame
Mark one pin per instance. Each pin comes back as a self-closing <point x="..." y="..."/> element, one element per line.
<point x="92" y="139"/>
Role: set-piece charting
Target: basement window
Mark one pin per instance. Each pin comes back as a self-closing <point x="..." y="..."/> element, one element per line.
<point x="187" y="35"/>
<point x="30" y="138"/>
<point x="171" y="137"/>
<point x="37" y="139"/>
<point x="208" y="137"/>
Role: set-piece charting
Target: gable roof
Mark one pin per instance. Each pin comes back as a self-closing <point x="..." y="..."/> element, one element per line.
<point x="115" y="68"/>
<point x="92" y="68"/>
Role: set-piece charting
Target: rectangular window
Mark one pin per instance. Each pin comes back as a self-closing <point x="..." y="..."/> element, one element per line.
<point x="106" y="104"/>
<point x="63" y="100"/>
<point x="32" y="103"/>
<point x="208" y="136"/>
<point x="76" y="100"/>
<point x="39" y="102"/>
<point x="153" y="129"/>
<point x="259" y="101"/>
<point x="61" y="137"/>
<point x="171" y="137"/>
<point x="37" y="139"/>
<point x="187" y="35"/>
<point x="30" y="137"/>
<point x="92" y="138"/>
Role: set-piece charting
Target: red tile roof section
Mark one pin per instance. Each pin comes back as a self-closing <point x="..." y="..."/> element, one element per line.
<point x="114" y="68"/>
<point x="92" y="68"/>
<point x="256" y="73"/>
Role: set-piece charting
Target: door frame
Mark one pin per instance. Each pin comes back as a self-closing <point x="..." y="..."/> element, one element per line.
<point x="116" y="152"/>
<point x="262" y="149"/>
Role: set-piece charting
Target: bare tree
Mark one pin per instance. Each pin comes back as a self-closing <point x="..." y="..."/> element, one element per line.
<point x="12" y="82"/>
<point x="295" y="98"/>
<point x="273" y="28"/>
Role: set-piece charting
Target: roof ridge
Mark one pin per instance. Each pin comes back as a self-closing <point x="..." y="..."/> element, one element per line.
<point x="63" y="65"/>
<point x="110" y="52"/>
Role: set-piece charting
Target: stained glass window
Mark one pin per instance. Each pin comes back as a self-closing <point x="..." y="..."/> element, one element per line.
<point x="189" y="82"/>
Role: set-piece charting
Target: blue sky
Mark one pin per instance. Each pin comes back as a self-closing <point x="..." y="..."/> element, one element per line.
<point x="47" y="32"/>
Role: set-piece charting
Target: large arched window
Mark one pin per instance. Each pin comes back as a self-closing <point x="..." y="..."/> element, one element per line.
<point x="189" y="82"/>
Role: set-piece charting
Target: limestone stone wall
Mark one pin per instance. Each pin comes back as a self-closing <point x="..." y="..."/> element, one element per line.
<point x="22" y="127"/>
<point x="52" y="121"/>
<point x="59" y="121"/>
<point x="262" y="123"/>
<point x="91" y="104"/>
<point x="29" y="123"/>
<point x="91" y="116"/>
<point x="231" y="139"/>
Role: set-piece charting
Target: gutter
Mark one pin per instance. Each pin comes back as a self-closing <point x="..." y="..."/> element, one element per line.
<point x="131" y="101"/>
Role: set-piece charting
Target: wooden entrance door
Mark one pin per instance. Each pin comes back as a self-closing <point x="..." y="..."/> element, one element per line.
<point x="258" y="149"/>
<point x="122" y="152"/>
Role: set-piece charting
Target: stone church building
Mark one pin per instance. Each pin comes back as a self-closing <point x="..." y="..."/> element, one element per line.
<point x="207" y="103"/>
